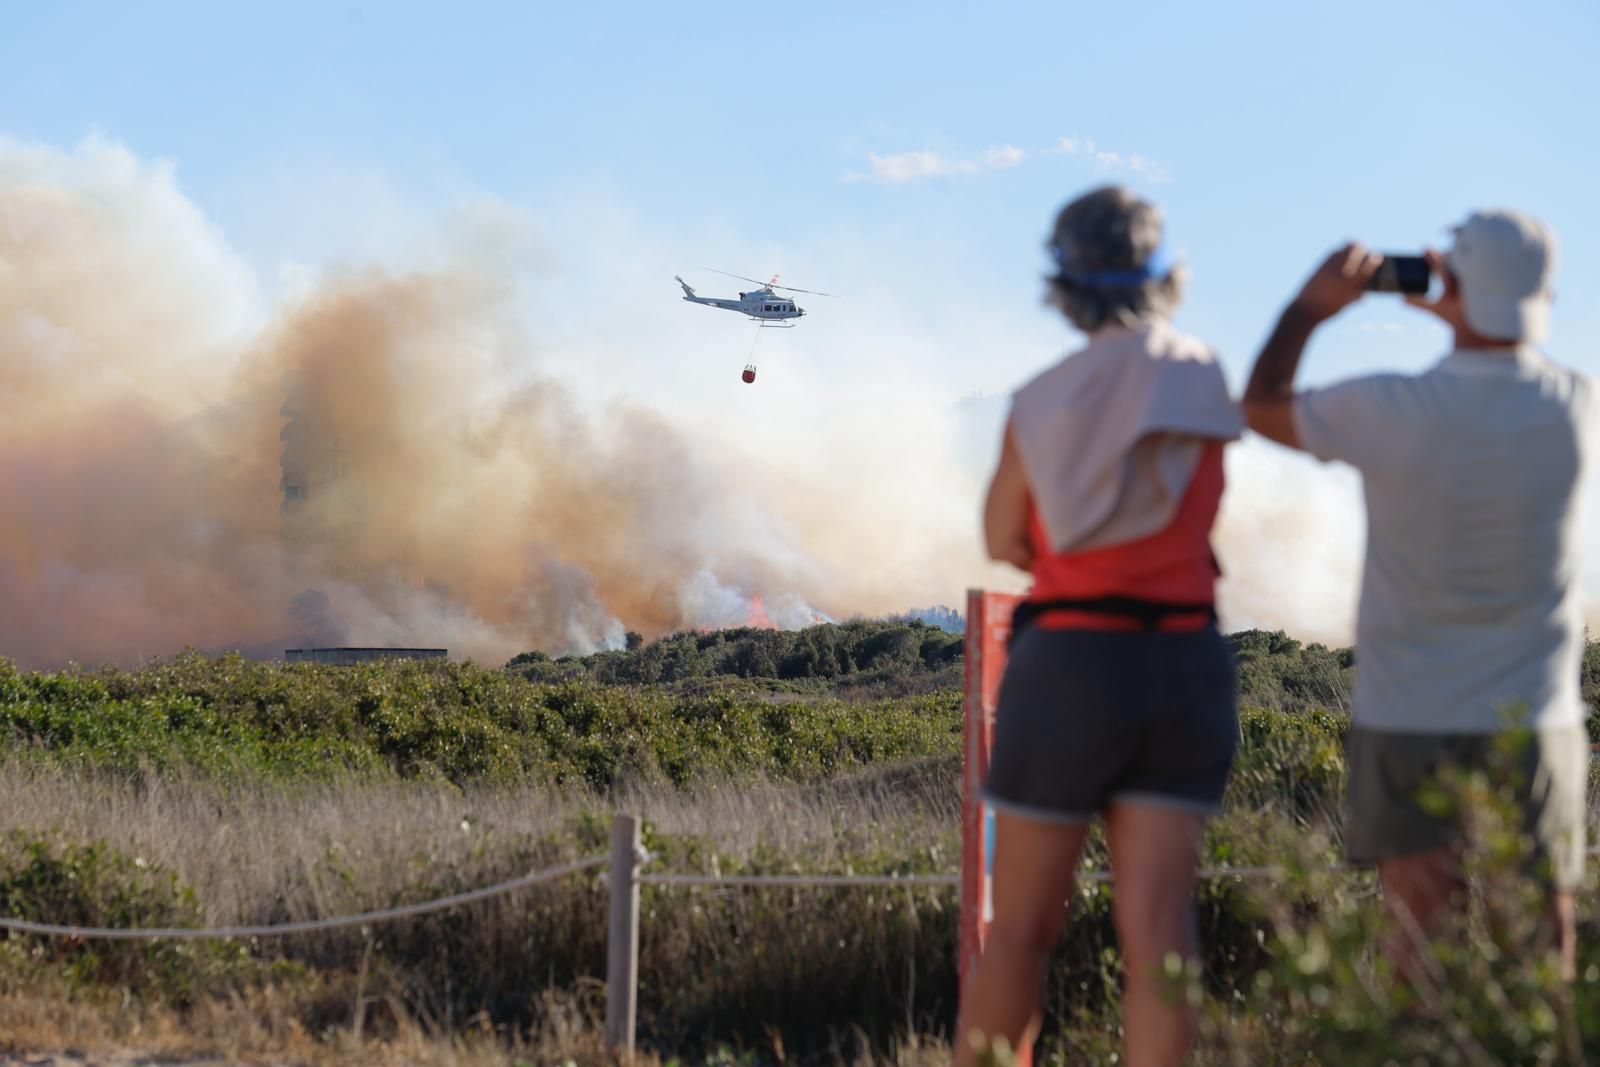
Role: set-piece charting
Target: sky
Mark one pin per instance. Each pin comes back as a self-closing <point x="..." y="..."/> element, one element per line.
<point x="1269" y="133"/>
<point x="908" y="158"/>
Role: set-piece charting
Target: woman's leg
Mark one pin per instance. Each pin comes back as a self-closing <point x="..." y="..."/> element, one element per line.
<point x="1034" y="862"/>
<point x="1154" y="852"/>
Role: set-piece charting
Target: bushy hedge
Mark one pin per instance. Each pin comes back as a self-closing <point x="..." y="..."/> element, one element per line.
<point x="1275" y="670"/>
<point x="455" y="721"/>
<point x="832" y="651"/>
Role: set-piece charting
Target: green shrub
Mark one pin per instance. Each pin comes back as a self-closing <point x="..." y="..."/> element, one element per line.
<point x="47" y="880"/>
<point x="1489" y="991"/>
<point x="232" y="718"/>
<point x="1290" y="763"/>
<point x="831" y="651"/>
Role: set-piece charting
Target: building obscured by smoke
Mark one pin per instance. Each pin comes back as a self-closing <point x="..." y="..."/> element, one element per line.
<point x="345" y="657"/>
<point x="938" y="615"/>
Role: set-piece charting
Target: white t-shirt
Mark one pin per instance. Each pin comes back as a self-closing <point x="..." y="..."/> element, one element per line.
<point x="1472" y="473"/>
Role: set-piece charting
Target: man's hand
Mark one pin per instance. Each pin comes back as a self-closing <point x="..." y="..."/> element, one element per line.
<point x="1448" y="305"/>
<point x="1338" y="283"/>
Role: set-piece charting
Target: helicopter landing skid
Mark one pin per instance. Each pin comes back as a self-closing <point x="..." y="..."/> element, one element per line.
<point x="764" y="324"/>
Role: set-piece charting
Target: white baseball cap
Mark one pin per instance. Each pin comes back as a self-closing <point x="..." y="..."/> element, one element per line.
<point x="1503" y="261"/>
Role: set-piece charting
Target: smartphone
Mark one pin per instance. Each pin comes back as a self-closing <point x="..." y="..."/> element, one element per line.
<point x="1401" y="274"/>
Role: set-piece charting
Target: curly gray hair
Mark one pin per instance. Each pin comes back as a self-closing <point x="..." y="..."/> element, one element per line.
<point x="1109" y="230"/>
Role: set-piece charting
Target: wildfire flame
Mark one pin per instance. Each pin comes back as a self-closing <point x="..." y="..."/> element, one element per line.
<point x="757" y="618"/>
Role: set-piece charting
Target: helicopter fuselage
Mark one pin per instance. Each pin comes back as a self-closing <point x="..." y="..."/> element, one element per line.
<point x="762" y="305"/>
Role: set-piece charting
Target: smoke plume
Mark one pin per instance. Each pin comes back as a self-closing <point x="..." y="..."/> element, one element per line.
<point x="387" y="458"/>
<point x="181" y="467"/>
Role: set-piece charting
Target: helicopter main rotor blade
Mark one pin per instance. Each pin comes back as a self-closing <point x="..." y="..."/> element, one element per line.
<point x="813" y="292"/>
<point x="741" y="277"/>
<point x="767" y="285"/>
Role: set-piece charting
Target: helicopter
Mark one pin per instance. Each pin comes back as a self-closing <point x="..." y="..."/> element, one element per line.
<point x="762" y="305"/>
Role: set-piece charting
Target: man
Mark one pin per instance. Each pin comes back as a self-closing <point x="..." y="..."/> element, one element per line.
<point x="1469" y="618"/>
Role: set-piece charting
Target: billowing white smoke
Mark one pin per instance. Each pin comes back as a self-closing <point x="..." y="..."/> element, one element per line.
<point x="379" y="460"/>
<point x="1290" y="538"/>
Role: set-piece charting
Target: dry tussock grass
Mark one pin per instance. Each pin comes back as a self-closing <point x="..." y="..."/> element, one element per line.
<point x="46" y="1028"/>
<point x="255" y="852"/>
<point x="262" y="1027"/>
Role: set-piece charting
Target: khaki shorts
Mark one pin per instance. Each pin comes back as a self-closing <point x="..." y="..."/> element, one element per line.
<point x="1390" y="771"/>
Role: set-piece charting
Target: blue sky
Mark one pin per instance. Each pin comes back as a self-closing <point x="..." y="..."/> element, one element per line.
<point x="1270" y="131"/>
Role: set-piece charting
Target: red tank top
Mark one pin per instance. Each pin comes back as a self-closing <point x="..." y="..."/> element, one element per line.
<point x="1172" y="566"/>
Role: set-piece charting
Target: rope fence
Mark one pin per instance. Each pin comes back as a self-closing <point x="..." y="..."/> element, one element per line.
<point x="403" y="911"/>
<point x="820" y="881"/>
<point x="549" y="874"/>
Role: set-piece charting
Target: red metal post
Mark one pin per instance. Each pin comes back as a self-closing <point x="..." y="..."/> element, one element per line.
<point x="988" y="630"/>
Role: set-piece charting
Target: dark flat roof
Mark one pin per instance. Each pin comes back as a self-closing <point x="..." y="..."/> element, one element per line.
<point x="370" y="648"/>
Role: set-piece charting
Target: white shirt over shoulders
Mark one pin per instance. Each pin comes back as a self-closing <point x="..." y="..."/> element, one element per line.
<point x="1469" y="616"/>
<point x="1110" y="436"/>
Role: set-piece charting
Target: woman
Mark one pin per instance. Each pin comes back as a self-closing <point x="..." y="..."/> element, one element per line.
<point x="1118" y="696"/>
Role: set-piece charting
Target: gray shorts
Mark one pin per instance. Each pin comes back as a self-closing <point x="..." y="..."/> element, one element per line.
<point x="1549" y="776"/>
<point x="1089" y="718"/>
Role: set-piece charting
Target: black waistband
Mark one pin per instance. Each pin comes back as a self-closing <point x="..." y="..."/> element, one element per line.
<point x="1148" y="613"/>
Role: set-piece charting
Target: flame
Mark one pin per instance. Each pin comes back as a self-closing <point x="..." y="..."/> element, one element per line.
<point x="757" y="618"/>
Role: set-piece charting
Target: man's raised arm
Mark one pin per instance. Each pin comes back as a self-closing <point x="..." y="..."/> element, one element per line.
<point x="1269" y="398"/>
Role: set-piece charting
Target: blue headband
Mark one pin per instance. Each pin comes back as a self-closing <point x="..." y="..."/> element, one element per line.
<point x="1159" y="265"/>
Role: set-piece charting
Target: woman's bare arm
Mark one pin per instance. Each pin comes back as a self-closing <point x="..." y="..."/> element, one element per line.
<point x="1005" y="509"/>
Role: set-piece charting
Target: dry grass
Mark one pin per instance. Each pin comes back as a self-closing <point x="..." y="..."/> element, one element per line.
<point x="263" y="853"/>
<point x="263" y="1027"/>
<point x="55" y="1028"/>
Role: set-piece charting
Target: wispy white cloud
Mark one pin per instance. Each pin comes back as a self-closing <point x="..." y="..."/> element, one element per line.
<point x="1112" y="159"/>
<point x="902" y="168"/>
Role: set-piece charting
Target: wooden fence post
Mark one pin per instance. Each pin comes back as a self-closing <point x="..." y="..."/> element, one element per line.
<point x="622" y="935"/>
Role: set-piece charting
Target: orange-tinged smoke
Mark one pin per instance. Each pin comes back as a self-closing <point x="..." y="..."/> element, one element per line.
<point x="178" y="468"/>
